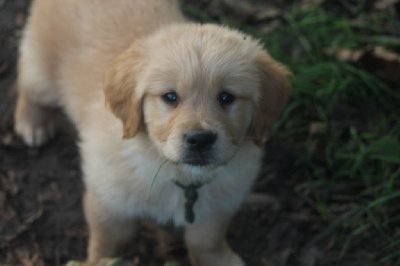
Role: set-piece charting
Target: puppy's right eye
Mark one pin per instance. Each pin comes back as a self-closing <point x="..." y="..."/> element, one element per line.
<point x="170" y="98"/>
<point x="225" y="99"/>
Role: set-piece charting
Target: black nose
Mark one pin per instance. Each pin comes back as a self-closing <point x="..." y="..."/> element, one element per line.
<point x="200" y="141"/>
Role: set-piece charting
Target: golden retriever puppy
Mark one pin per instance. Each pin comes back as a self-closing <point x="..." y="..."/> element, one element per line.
<point x="146" y="88"/>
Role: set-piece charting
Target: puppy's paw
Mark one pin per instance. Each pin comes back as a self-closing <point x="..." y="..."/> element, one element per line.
<point x="223" y="258"/>
<point x="34" y="135"/>
<point x="230" y="259"/>
<point x="33" y="123"/>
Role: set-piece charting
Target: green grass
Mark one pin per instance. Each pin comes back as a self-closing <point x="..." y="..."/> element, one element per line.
<point x="355" y="162"/>
<point x="353" y="159"/>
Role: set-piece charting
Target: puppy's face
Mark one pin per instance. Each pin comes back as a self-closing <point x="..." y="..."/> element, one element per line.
<point x="198" y="91"/>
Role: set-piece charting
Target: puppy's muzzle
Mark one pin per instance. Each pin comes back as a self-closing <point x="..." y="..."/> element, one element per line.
<point x="199" y="147"/>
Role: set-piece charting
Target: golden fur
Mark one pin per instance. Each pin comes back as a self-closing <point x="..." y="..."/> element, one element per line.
<point x="109" y="64"/>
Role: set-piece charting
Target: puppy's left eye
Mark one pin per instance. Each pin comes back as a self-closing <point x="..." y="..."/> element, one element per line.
<point x="225" y="98"/>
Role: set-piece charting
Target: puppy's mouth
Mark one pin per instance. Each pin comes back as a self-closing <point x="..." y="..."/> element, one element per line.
<point x="197" y="160"/>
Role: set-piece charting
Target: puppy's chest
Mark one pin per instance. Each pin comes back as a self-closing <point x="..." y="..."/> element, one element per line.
<point x="184" y="201"/>
<point x="132" y="186"/>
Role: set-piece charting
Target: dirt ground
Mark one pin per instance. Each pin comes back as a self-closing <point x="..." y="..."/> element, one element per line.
<point x="41" y="220"/>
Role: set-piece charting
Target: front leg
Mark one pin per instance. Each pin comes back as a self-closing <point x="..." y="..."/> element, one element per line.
<point x="207" y="245"/>
<point x="109" y="234"/>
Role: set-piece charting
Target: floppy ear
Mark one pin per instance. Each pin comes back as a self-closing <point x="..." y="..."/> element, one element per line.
<point x="119" y="90"/>
<point x="275" y="89"/>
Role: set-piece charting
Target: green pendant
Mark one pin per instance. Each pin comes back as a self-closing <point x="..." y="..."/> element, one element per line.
<point x="191" y="196"/>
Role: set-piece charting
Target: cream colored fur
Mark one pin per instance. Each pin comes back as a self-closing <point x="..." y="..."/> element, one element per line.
<point x="108" y="63"/>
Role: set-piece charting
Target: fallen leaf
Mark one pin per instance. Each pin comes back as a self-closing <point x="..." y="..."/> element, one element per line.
<point x="317" y="128"/>
<point x="267" y="28"/>
<point x="25" y="225"/>
<point x="381" y="62"/>
<point x="102" y="262"/>
<point x="51" y="194"/>
<point x="29" y="255"/>
<point x="385" y="4"/>
<point x="254" y="10"/>
<point x="308" y="3"/>
<point x="350" y="55"/>
<point x="262" y="199"/>
<point x="268" y="12"/>
<point x="172" y="263"/>
<point x="9" y="182"/>
<point x="241" y="7"/>
<point x="20" y="19"/>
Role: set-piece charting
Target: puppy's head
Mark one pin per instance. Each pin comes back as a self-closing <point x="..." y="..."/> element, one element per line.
<point x="199" y="92"/>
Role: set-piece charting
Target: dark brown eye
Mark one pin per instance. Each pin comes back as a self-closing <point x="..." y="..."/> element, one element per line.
<point x="170" y="98"/>
<point x="225" y="98"/>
